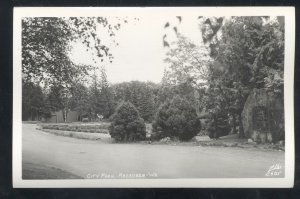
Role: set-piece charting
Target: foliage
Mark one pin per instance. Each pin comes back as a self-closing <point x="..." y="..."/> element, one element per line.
<point x="245" y="53"/>
<point x="187" y="61"/>
<point x="62" y="99"/>
<point x="188" y="71"/>
<point x="252" y="50"/>
<point x="249" y="55"/>
<point x="142" y="95"/>
<point x="90" y="101"/>
<point x="93" y="106"/>
<point x="54" y="98"/>
<point x="126" y="124"/>
<point x="101" y="99"/>
<point x="106" y="96"/>
<point x="186" y="90"/>
<point x="79" y="100"/>
<point x="211" y="29"/>
<point x="34" y="104"/>
<point x="218" y="125"/>
<point x="46" y="46"/>
<point x="176" y="118"/>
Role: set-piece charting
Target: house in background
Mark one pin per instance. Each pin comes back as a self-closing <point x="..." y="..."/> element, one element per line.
<point x="57" y="117"/>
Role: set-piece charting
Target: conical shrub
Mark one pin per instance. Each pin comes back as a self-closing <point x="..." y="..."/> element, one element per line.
<point x="176" y="118"/>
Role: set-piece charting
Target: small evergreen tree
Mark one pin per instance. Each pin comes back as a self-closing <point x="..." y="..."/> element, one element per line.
<point x="176" y="118"/>
<point x="127" y="125"/>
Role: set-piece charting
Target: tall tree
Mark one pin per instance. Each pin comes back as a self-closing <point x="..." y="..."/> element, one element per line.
<point x="187" y="61"/>
<point x="94" y="97"/>
<point x="141" y="94"/>
<point x="246" y="53"/>
<point x="79" y="99"/>
<point x="107" y="103"/>
<point x="251" y="55"/>
<point x="46" y="45"/>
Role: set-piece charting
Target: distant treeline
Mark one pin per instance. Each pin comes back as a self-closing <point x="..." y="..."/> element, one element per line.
<point x="101" y="99"/>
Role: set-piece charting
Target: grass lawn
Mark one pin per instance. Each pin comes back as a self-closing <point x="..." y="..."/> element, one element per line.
<point x="37" y="171"/>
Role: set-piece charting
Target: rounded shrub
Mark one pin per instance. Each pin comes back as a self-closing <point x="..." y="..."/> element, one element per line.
<point x="176" y="118"/>
<point x="126" y="124"/>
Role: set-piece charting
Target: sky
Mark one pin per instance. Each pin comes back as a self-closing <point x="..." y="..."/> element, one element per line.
<point x="140" y="53"/>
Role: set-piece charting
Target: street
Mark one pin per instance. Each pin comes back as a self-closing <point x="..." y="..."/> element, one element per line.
<point x="48" y="156"/>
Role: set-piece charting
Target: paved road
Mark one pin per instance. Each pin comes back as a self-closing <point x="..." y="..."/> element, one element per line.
<point x="102" y="159"/>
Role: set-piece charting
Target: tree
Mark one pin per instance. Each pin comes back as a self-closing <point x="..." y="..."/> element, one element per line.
<point x="94" y="98"/>
<point x="34" y="104"/>
<point x="251" y="54"/>
<point x="187" y="62"/>
<point x="101" y="99"/>
<point x="142" y="95"/>
<point x="79" y="100"/>
<point x="177" y="118"/>
<point x="46" y="45"/>
<point x="185" y="88"/>
<point x="210" y="28"/>
<point x="126" y="124"/>
<point x="106" y="96"/>
<point x="246" y="53"/>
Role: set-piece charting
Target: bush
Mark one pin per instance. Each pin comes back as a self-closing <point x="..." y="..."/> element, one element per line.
<point x="126" y="124"/>
<point x="176" y="118"/>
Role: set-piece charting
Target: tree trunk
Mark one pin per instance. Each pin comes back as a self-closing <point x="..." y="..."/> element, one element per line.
<point x="234" y="123"/>
<point x="64" y="115"/>
<point x="215" y="134"/>
<point x="31" y="115"/>
<point x="241" y="129"/>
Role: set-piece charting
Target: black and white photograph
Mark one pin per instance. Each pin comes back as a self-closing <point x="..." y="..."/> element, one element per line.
<point x="153" y="97"/>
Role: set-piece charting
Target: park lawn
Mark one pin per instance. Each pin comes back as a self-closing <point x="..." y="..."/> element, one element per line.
<point x="39" y="171"/>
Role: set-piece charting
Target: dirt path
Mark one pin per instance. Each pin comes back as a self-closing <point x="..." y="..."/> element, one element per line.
<point x="102" y="159"/>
